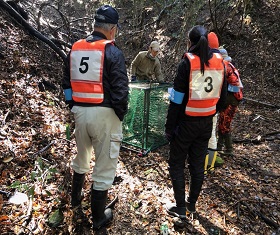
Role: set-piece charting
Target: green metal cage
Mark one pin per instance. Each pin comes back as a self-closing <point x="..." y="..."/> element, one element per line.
<point x="143" y="125"/>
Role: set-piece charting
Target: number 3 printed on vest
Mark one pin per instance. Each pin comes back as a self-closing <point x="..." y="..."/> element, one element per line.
<point x="205" y="86"/>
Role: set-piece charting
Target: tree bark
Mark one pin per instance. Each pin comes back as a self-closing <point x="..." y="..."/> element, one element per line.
<point x="32" y="30"/>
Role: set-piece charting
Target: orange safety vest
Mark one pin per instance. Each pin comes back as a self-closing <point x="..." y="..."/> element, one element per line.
<point x="86" y="70"/>
<point x="204" y="89"/>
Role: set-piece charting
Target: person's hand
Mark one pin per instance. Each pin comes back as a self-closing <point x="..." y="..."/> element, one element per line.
<point x="133" y="78"/>
<point x="171" y="135"/>
<point x="168" y="136"/>
<point x="69" y="103"/>
<point x="176" y="131"/>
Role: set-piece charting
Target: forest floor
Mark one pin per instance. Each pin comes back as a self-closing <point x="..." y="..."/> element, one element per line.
<point x="241" y="197"/>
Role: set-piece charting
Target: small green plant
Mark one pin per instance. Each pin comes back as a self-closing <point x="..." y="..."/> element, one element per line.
<point x="23" y="187"/>
<point x="40" y="175"/>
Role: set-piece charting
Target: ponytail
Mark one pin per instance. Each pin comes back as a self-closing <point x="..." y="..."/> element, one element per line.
<point x="198" y="38"/>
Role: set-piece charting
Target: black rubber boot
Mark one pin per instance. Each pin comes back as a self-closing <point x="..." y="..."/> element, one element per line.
<point x="76" y="198"/>
<point x="221" y="140"/>
<point x="178" y="209"/>
<point x="100" y="216"/>
<point x="228" y="145"/>
<point x="77" y="186"/>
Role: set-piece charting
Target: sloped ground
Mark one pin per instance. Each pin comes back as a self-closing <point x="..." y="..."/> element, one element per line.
<point x="242" y="197"/>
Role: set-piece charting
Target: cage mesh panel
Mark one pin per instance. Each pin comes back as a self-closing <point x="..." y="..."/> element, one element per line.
<point x="143" y="125"/>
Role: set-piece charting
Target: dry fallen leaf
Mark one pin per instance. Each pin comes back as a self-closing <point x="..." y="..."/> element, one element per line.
<point x="3" y="218"/>
<point x="1" y="202"/>
<point x="8" y="159"/>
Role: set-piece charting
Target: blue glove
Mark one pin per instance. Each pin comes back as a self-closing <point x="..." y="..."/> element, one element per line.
<point x="68" y="97"/>
<point x="68" y="94"/>
<point x="133" y="78"/>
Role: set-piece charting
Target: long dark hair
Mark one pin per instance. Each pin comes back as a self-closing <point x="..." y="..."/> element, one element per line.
<point x="199" y="45"/>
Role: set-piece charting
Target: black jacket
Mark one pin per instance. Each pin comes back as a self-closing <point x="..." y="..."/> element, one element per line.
<point x="115" y="80"/>
<point x="176" y="112"/>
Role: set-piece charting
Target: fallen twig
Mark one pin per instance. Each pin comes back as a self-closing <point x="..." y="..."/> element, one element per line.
<point x="44" y="149"/>
<point x="272" y="133"/>
<point x="259" y="139"/>
<point x="112" y="203"/>
<point x="4" y="119"/>
<point x="262" y="216"/>
<point x="262" y="103"/>
<point x="28" y="216"/>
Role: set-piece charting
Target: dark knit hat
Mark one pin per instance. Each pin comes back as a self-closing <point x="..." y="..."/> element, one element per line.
<point x="213" y="40"/>
<point x="107" y="14"/>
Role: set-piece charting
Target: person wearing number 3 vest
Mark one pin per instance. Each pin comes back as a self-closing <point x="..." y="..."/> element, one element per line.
<point x="199" y="92"/>
<point x="96" y="89"/>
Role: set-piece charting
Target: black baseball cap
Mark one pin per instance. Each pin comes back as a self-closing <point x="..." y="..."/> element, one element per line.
<point x="107" y="14"/>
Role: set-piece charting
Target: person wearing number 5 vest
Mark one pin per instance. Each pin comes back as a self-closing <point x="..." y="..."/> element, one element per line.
<point x="199" y="92"/>
<point x="96" y="89"/>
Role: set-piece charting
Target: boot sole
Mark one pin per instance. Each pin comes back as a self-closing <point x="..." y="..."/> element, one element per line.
<point x="176" y="214"/>
<point x="103" y="224"/>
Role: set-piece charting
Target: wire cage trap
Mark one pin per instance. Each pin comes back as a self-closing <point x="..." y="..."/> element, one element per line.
<point x="143" y="125"/>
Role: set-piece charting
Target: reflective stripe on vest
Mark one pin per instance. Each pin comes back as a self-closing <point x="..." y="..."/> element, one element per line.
<point x="86" y="71"/>
<point x="204" y="90"/>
